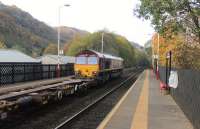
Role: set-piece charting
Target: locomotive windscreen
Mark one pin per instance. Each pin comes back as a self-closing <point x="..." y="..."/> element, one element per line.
<point x="81" y="60"/>
<point x="92" y="60"/>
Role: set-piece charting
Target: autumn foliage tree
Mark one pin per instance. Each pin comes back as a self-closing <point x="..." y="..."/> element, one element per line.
<point x="187" y="56"/>
<point x="184" y="13"/>
<point x="178" y="23"/>
<point x="51" y="49"/>
<point x="184" y="55"/>
<point x="2" y="45"/>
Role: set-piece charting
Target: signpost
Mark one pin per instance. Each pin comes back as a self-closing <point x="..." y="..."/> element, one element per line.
<point x="173" y="79"/>
<point x="168" y="72"/>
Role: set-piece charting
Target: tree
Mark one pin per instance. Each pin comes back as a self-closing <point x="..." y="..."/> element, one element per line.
<point x="184" y="14"/>
<point x="142" y="59"/>
<point x="148" y="50"/>
<point x="184" y="55"/>
<point x="51" y="49"/>
<point x="187" y="56"/>
<point x="2" y="45"/>
<point x="113" y="44"/>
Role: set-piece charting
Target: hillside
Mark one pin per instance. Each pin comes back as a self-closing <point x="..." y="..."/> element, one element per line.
<point x="147" y="44"/>
<point x="69" y="33"/>
<point x="136" y="45"/>
<point x="19" y="30"/>
<point x="113" y="44"/>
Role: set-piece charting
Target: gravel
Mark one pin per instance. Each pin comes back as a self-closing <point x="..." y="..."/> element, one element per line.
<point x="50" y="115"/>
<point x="93" y="117"/>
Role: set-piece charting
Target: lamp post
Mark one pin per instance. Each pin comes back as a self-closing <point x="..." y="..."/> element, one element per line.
<point x="58" y="36"/>
<point x="157" y="57"/>
<point x="158" y="49"/>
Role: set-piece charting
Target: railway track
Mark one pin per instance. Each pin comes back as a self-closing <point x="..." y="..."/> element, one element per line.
<point x="57" y="111"/>
<point x="95" y="102"/>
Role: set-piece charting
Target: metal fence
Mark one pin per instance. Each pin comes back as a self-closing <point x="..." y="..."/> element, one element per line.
<point x="15" y="72"/>
<point x="187" y="92"/>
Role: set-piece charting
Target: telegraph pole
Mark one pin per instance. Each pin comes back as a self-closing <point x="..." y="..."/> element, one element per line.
<point x="102" y="42"/>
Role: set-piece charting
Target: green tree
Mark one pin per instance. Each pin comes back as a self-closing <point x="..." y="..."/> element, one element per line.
<point x="142" y="58"/>
<point x="113" y="44"/>
<point x="183" y="14"/>
<point x="51" y="49"/>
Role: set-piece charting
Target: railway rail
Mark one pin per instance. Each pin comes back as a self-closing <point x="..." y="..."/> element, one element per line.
<point x="12" y="97"/>
<point x="75" y="116"/>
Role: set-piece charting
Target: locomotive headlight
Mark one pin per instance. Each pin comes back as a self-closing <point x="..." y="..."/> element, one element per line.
<point x="94" y="72"/>
<point x="77" y="71"/>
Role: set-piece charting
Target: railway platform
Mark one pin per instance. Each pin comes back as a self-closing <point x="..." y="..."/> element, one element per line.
<point x="144" y="107"/>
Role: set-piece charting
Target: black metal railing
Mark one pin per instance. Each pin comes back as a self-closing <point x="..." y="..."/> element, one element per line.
<point x="17" y="72"/>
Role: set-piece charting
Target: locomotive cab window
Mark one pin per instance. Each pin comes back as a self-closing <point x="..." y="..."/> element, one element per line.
<point x="81" y="60"/>
<point x="92" y="60"/>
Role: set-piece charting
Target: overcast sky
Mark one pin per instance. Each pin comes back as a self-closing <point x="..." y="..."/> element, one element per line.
<point x="90" y="15"/>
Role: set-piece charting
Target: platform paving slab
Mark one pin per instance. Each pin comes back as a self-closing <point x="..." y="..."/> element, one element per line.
<point x="144" y="107"/>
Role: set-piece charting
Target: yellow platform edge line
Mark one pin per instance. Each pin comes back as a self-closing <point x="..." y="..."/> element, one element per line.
<point x="109" y="116"/>
<point x="140" y="117"/>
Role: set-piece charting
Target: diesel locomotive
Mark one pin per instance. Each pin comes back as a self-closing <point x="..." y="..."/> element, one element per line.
<point x="96" y="65"/>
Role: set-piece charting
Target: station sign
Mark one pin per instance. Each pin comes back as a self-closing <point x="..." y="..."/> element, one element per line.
<point x="61" y="52"/>
<point x="155" y="56"/>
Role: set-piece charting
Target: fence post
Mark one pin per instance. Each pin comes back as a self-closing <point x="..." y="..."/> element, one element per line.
<point x="24" y="73"/>
<point x="170" y="62"/>
<point x="71" y="69"/>
<point x="0" y="74"/>
<point x="168" y="65"/>
<point x="66" y="69"/>
<point x="166" y="71"/>
<point x="12" y="67"/>
<point x="33" y="74"/>
<point x="41" y="71"/>
<point x="58" y="70"/>
<point x="48" y="71"/>
<point x="155" y="65"/>
<point x="61" y="70"/>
